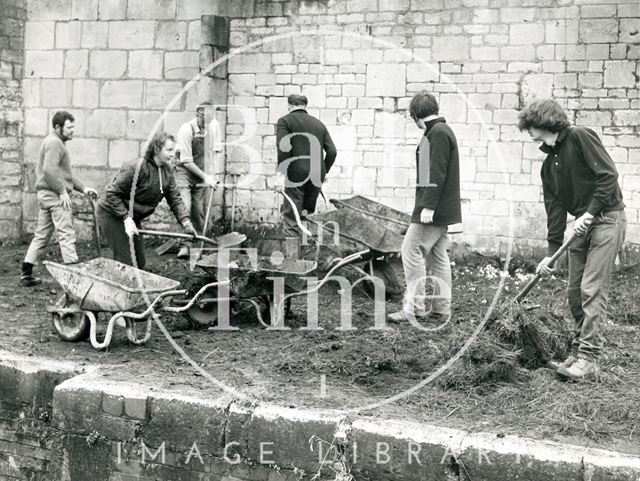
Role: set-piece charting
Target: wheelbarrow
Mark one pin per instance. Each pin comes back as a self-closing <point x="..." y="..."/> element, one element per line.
<point x="123" y="294"/>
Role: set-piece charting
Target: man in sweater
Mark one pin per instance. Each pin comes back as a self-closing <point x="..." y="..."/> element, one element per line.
<point x="579" y="178"/>
<point x="437" y="205"/>
<point x="190" y="171"/>
<point x="54" y="183"/>
<point x="305" y="155"/>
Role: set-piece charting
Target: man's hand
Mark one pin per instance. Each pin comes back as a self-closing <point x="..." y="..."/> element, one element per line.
<point x="65" y="200"/>
<point x="582" y="224"/>
<point x="90" y="192"/>
<point x="426" y="216"/>
<point x="189" y="229"/>
<point x="130" y="227"/>
<point x="545" y="268"/>
<point x="210" y="180"/>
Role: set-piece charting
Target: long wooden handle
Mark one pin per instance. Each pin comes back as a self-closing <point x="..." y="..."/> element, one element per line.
<point x="177" y="235"/>
<point x="521" y="295"/>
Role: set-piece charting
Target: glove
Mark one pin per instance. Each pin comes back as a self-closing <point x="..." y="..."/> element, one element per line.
<point x="210" y="180"/>
<point x="90" y="192"/>
<point x="65" y="200"/>
<point x="130" y="227"/>
<point x="426" y="216"/>
<point x="189" y="229"/>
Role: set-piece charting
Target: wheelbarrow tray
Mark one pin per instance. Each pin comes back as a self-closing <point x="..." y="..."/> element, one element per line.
<point x="249" y="280"/>
<point x="388" y="217"/>
<point x="356" y="232"/>
<point x="103" y="284"/>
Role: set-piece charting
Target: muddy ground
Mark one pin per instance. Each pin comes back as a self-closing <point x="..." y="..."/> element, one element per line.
<point x="350" y="369"/>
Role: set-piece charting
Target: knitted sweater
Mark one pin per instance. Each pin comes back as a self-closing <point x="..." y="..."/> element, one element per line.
<point x="54" y="168"/>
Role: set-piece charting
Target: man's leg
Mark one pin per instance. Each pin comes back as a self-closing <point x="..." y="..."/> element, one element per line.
<point x="577" y="260"/>
<point x="183" y="181"/>
<point x="605" y="242"/>
<point x="418" y="243"/>
<point x="198" y="195"/>
<point x="113" y="229"/>
<point x="440" y="268"/>
<point x="63" y="222"/>
<point x="43" y="232"/>
<point x="289" y="225"/>
<point x="311" y="193"/>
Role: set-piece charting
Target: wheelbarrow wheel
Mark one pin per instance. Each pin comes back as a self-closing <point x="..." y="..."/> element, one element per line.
<point x="203" y="315"/>
<point x="71" y="327"/>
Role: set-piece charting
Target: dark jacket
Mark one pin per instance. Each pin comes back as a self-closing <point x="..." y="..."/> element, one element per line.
<point x="299" y="121"/>
<point x="148" y="191"/>
<point x="578" y="176"/>
<point x="438" y="175"/>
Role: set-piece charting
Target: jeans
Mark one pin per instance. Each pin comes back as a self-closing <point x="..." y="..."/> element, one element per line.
<point x="591" y="259"/>
<point x="113" y="229"/>
<point x="193" y="196"/>
<point x="425" y="245"/>
<point x="53" y="217"/>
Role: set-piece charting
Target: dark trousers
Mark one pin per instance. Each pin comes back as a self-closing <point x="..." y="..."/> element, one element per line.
<point x="112" y="228"/>
<point x="304" y="198"/>
<point x="591" y="259"/>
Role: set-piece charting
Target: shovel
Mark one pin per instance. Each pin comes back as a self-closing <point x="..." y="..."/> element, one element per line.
<point x="221" y="242"/>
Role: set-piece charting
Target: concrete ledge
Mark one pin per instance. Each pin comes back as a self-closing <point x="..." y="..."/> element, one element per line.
<point x="115" y="429"/>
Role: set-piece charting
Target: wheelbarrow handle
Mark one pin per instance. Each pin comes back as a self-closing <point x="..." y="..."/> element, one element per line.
<point x="525" y="290"/>
<point x="177" y="235"/>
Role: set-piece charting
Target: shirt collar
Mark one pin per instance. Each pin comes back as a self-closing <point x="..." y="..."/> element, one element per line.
<point x="428" y="125"/>
<point x="547" y="149"/>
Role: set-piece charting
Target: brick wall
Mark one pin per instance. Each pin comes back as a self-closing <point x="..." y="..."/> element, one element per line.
<point x="361" y="61"/>
<point x="12" y="16"/>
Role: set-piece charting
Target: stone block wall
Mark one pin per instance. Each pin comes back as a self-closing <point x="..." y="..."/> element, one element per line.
<point x="12" y="16"/>
<point x="360" y="61"/>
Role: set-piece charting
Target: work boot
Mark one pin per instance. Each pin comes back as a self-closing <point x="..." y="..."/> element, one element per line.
<point x="26" y="278"/>
<point x="568" y="362"/>
<point x="183" y="253"/>
<point x="401" y="316"/>
<point x="581" y="369"/>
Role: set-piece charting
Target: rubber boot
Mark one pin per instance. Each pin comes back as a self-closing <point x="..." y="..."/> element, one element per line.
<point x="26" y="278"/>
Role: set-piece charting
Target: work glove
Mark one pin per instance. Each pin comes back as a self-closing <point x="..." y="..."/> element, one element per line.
<point x="90" y="192"/>
<point x="189" y="229"/>
<point x="210" y="180"/>
<point x="65" y="200"/>
<point x="130" y="227"/>
<point x="426" y="216"/>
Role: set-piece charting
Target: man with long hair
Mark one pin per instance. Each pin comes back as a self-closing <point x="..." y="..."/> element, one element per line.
<point x="54" y="182"/>
<point x="146" y="182"/>
<point x="579" y="178"/>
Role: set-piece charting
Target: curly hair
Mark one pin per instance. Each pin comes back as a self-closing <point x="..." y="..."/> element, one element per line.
<point x="156" y="144"/>
<point x="422" y="105"/>
<point x="543" y="114"/>
<point x="60" y="117"/>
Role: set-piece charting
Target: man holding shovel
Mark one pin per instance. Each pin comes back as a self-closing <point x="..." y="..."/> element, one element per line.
<point x="579" y="177"/>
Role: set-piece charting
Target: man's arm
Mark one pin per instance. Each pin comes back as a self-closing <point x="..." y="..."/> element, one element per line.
<point x="556" y="219"/>
<point x="329" y="150"/>
<point x="598" y="160"/>
<point x="174" y="199"/>
<point x="53" y="152"/>
<point x="183" y="142"/>
<point x="282" y="130"/>
<point x="428" y="197"/>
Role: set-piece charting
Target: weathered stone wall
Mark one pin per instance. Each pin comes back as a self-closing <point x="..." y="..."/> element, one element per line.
<point x="361" y="61"/>
<point x="121" y="68"/>
<point x="12" y="16"/>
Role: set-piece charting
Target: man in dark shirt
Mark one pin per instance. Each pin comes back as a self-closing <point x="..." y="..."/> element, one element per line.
<point x="437" y="206"/>
<point x="579" y="178"/>
<point x="305" y="155"/>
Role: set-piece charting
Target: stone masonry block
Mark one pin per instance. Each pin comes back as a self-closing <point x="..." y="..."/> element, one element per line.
<point x="526" y="33"/>
<point x="84" y="9"/>
<point x="140" y="123"/>
<point x="108" y="64"/>
<point x="561" y="31"/>
<point x="137" y="34"/>
<point x="49" y="10"/>
<point x="599" y="31"/>
<point x="121" y="93"/>
<point x="43" y="63"/>
<point x="630" y="29"/>
<point x="423" y="72"/>
<point x="171" y="35"/>
<point x="89" y="152"/>
<point x="249" y="63"/>
<point x="94" y="34"/>
<point x="593" y="118"/>
<point x="450" y="48"/>
<point x="106" y="123"/>
<point x="68" y="34"/>
<point x="626" y="117"/>
<point x="181" y="65"/>
<point x="135" y="406"/>
<point x="76" y="63"/>
<point x="85" y="93"/>
<point x="122" y="151"/>
<point x="36" y="122"/>
<point x="146" y="10"/>
<point x="535" y="86"/>
<point x="112" y="404"/>
<point x="158" y="95"/>
<point x="619" y="73"/>
<point x="145" y="64"/>
<point x="386" y="80"/>
<point x="513" y="15"/>
<point x="56" y="92"/>
<point x="113" y="10"/>
<point x="308" y="49"/>
<point x="39" y="35"/>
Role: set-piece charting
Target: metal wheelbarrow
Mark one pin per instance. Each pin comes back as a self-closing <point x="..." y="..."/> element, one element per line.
<point x="124" y="294"/>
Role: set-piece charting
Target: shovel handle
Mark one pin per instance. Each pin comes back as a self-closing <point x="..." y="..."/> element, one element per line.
<point x="525" y="290"/>
<point x="177" y="235"/>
